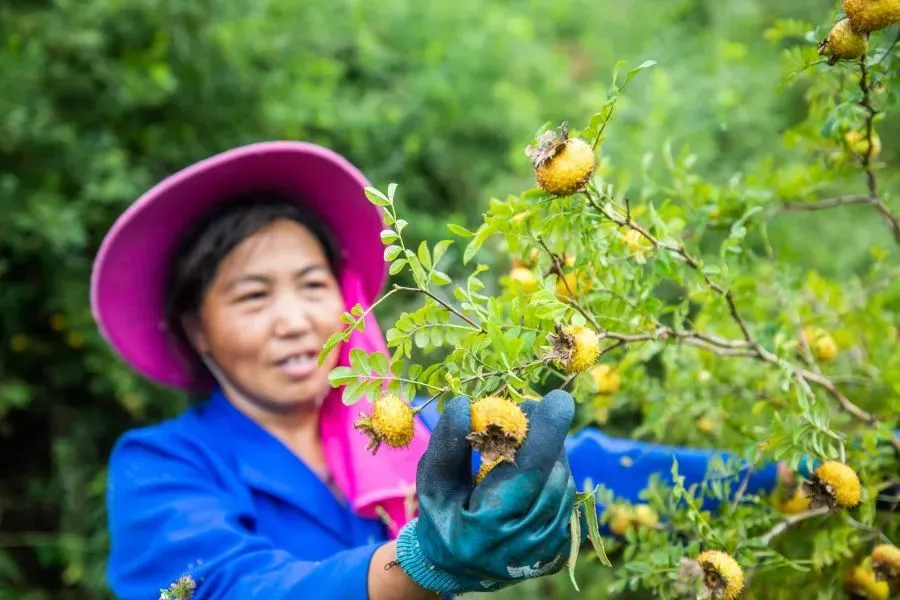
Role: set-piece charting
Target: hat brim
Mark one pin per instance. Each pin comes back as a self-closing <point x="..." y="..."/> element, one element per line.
<point x="129" y="274"/>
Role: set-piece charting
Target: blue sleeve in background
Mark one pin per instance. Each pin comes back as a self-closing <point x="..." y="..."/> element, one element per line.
<point x="625" y="467"/>
<point x="172" y="513"/>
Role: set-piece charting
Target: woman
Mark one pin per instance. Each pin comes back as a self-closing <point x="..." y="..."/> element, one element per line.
<point x="225" y="280"/>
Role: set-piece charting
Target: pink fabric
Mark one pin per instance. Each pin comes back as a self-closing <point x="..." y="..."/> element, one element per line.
<point x="129" y="275"/>
<point x="388" y="478"/>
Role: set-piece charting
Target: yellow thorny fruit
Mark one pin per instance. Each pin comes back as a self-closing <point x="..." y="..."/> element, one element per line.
<point x="843" y="42"/>
<point x="391" y="422"/>
<point x="562" y="165"/>
<point x="722" y="575"/>
<point x="867" y="16"/>
<point x="859" y="145"/>
<point x="861" y="584"/>
<point x="498" y="428"/>
<point x="820" y="343"/>
<point x="607" y="380"/>
<point x="794" y="504"/>
<point x="523" y="280"/>
<point x="645" y="516"/>
<point x="886" y="564"/>
<point x="834" y="485"/>
<point x="575" y="348"/>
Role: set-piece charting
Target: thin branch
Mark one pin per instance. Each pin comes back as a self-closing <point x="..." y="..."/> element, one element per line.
<point x="827" y="203"/>
<point x="789" y="522"/>
<point x="442" y="303"/>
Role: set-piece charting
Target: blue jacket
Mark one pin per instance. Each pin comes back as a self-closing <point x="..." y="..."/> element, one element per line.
<point x="213" y="495"/>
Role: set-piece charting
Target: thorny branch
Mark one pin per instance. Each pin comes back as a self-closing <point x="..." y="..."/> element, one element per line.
<point x="750" y="347"/>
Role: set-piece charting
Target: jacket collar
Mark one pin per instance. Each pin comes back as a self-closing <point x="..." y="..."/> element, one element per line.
<point x="265" y="464"/>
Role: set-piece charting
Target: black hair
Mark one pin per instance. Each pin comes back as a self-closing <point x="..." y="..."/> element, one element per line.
<point x="195" y="261"/>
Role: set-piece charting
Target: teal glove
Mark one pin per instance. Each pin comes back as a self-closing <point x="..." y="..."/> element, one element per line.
<point x="512" y="526"/>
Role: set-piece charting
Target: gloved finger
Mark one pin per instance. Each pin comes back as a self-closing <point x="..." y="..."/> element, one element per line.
<point x="445" y="470"/>
<point x="548" y="425"/>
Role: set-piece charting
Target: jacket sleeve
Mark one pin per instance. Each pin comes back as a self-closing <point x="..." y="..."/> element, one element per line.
<point x="626" y="466"/>
<point x="171" y="514"/>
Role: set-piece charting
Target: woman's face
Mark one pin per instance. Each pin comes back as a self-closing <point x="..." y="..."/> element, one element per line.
<point x="267" y="314"/>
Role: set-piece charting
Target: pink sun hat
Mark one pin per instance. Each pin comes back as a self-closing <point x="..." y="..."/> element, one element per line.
<point x="131" y="267"/>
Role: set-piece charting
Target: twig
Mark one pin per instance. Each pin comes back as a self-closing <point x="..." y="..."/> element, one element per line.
<point x="785" y="524"/>
<point x="889" y="49"/>
<point x="442" y="303"/>
<point x="827" y="203"/>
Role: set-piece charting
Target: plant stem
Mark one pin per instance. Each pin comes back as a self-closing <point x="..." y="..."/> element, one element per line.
<point x="787" y="523"/>
<point x="442" y="303"/>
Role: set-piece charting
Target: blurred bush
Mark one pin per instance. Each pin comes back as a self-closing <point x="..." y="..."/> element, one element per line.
<point x="102" y="98"/>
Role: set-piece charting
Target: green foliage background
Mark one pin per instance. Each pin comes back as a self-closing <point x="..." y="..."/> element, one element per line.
<point x="101" y="98"/>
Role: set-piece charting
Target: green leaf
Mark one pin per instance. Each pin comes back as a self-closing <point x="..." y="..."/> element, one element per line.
<point x="392" y="188"/>
<point x="439" y="278"/>
<point x="360" y="360"/>
<point x="439" y="250"/>
<point x="459" y="230"/>
<point x="590" y="513"/>
<point x="380" y="364"/>
<point x="397" y="266"/>
<point x="389" y="235"/>
<point x="574" y="545"/>
<point x="341" y="376"/>
<point x="424" y="255"/>
<point x="376" y="197"/>
<point x="633" y="72"/>
<point x="392" y="252"/>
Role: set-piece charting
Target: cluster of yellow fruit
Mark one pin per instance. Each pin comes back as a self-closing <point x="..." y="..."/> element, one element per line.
<point x="498" y="427"/>
<point x="877" y="577"/>
<point x="627" y="517"/>
<point x="849" y="38"/>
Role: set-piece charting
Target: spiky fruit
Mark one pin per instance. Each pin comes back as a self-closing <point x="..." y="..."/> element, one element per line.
<point x="861" y="584"/>
<point x="722" y="575"/>
<point x="523" y="280"/>
<point x="607" y="380"/>
<point x="867" y="16"/>
<point x="834" y="485"/>
<point x="794" y="504"/>
<point x="391" y="423"/>
<point x="498" y="429"/>
<point x="820" y="342"/>
<point x="886" y="564"/>
<point x="621" y="520"/>
<point x="859" y="145"/>
<point x="645" y="516"/>
<point x="562" y="165"/>
<point x="843" y="42"/>
<point x="705" y="425"/>
<point x="574" y="347"/>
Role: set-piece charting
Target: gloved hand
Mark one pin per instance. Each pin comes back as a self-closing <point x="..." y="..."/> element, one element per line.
<point x="512" y="526"/>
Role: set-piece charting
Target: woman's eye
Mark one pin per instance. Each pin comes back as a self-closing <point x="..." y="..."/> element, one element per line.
<point x="249" y="297"/>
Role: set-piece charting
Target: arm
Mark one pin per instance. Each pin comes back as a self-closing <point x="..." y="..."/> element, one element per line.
<point x="168" y="517"/>
<point x="625" y="466"/>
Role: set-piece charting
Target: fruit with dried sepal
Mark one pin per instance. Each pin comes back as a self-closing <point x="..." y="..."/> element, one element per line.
<point x="575" y="348"/>
<point x="843" y="42"/>
<point x="834" y="485"/>
<point x="498" y="429"/>
<point x="860" y="584"/>
<point x="717" y="574"/>
<point x="867" y="16"/>
<point x="562" y="165"/>
<point x="390" y="422"/>
<point x="886" y="565"/>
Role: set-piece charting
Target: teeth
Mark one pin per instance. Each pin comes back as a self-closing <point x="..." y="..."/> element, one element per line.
<point x="300" y="359"/>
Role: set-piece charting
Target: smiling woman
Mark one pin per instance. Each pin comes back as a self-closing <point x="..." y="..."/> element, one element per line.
<point x="226" y="279"/>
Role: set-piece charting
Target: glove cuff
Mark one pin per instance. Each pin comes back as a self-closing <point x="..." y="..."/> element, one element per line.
<point x="414" y="562"/>
<point x="429" y="576"/>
